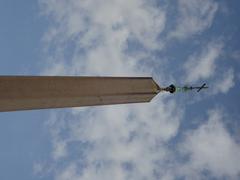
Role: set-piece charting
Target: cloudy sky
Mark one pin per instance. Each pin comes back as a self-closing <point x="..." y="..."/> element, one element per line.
<point x="181" y="136"/>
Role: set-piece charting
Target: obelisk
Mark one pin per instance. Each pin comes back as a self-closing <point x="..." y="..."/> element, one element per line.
<point x="43" y="92"/>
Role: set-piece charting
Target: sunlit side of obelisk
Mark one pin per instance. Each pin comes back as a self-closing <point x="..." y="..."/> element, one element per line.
<point x="43" y="92"/>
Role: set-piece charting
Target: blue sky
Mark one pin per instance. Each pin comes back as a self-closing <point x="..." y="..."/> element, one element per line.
<point x="181" y="136"/>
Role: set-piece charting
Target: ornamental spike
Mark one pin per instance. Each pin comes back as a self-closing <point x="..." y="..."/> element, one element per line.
<point x="172" y="88"/>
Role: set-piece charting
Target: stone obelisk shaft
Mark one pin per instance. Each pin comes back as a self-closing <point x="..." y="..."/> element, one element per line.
<point x="42" y="92"/>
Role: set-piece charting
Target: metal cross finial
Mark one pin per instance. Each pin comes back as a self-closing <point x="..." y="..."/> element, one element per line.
<point x="172" y="88"/>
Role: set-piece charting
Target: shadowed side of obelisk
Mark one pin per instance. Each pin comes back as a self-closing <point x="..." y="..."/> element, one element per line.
<point x="41" y="92"/>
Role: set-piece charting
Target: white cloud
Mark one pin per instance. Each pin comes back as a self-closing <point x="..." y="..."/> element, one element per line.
<point x="211" y="148"/>
<point x="68" y="173"/>
<point x="102" y="30"/>
<point x="38" y="168"/>
<point x="225" y="83"/>
<point x="201" y="66"/>
<point x="194" y="17"/>
<point x="41" y="168"/>
<point x="122" y="137"/>
<point x="236" y="55"/>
